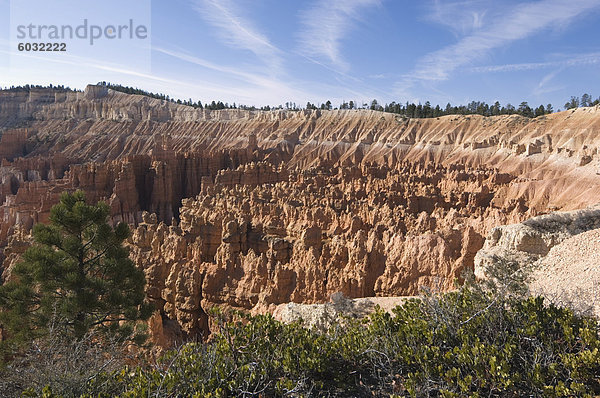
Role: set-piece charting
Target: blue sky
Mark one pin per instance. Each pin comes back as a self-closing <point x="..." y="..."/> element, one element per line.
<point x="271" y="52"/>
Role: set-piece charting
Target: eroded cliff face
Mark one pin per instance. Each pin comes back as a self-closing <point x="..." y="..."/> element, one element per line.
<point x="363" y="231"/>
<point x="254" y="209"/>
<point x="156" y="182"/>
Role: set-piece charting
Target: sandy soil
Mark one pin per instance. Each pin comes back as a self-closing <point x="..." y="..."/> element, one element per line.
<point x="570" y="273"/>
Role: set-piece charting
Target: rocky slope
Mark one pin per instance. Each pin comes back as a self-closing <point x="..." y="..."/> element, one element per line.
<point x="569" y="274"/>
<point x="533" y="239"/>
<point x="560" y="252"/>
<point x="253" y="209"/>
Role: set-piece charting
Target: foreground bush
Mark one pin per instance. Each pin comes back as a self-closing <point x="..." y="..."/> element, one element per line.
<point x="456" y="346"/>
<point x="465" y="343"/>
<point x="61" y="364"/>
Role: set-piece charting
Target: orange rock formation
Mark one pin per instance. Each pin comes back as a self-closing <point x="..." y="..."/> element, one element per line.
<point x="253" y="209"/>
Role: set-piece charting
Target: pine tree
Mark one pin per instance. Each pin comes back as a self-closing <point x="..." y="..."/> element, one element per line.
<point x="495" y="109"/>
<point x="572" y="103"/>
<point x="540" y="111"/>
<point x="586" y="100"/>
<point x="78" y="275"/>
<point x="525" y="109"/>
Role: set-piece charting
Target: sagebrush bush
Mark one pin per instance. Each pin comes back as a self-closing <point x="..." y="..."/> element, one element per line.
<point x="61" y="364"/>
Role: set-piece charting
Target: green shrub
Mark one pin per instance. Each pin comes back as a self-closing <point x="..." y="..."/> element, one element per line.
<point x="250" y="356"/>
<point x="465" y="343"/>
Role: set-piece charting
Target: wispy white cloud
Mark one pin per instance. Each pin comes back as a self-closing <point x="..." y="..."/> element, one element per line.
<point x="254" y="85"/>
<point x="324" y="26"/>
<point x="544" y="87"/>
<point x="257" y="88"/>
<point x="462" y="17"/>
<point x="515" y="23"/>
<point x="231" y="71"/>
<point x="586" y="59"/>
<point x="237" y="31"/>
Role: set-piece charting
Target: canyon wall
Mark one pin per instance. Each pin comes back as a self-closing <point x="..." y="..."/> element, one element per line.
<point x="252" y="209"/>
